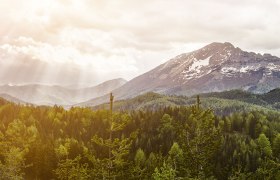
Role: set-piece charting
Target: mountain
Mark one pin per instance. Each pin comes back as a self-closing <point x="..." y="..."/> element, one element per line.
<point x="50" y="95"/>
<point x="219" y="102"/>
<point x="12" y="99"/>
<point x="215" y="67"/>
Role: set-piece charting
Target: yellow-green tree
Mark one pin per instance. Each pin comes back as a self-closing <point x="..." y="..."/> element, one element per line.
<point x="111" y="165"/>
<point x="15" y="143"/>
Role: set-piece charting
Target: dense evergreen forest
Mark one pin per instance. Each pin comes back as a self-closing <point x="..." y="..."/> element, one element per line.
<point x="174" y="142"/>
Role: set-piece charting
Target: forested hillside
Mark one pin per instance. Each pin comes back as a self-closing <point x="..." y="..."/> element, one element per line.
<point x="222" y="103"/>
<point x="271" y="98"/>
<point x="164" y="143"/>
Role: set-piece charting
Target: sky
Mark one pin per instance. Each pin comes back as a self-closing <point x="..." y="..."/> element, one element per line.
<point x="85" y="42"/>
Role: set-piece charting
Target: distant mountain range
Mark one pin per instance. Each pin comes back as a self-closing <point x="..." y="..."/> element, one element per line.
<point x="12" y="99"/>
<point x="50" y="95"/>
<point x="214" y="68"/>
<point x="222" y="103"/>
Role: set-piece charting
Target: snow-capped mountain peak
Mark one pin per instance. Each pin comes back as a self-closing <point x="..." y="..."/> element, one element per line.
<point x="222" y="58"/>
<point x="215" y="67"/>
<point x="198" y="63"/>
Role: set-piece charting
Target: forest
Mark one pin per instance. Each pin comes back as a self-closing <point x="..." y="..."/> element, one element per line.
<point x="164" y="143"/>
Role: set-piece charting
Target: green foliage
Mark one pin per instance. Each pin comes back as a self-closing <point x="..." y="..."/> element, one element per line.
<point x="268" y="170"/>
<point x="15" y="143"/>
<point x="140" y="158"/>
<point x="139" y="169"/>
<point x="155" y="142"/>
<point x="264" y="145"/>
<point x="72" y="170"/>
<point x="276" y="146"/>
<point x="166" y="172"/>
<point x="13" y="164"/>
<point x="116" y="146"/>
<point x="176" y="158"/>
<point x="201" y="142"/>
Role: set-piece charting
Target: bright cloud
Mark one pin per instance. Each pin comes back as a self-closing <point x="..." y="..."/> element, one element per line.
<point x="89" y="41"/>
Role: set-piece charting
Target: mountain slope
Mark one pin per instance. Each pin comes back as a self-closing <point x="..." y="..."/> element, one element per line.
<point x="215" y="67"/>
<point x="12" y="99"/>
<point x="50" y="95"/>
<point x="148" y="100"/>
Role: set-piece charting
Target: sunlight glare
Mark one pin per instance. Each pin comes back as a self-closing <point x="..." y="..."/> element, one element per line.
<point x="40" y="11"/>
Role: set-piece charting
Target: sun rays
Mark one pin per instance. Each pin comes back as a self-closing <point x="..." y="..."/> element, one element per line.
<point x="92" y="41"/>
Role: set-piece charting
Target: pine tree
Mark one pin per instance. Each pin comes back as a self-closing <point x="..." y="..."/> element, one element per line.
<point x="264" y="145"/>
<point x="201" y="141"/>
<point x="166" y="133"/>
<point x="139" y="164"/>
<point x="176" y="156"/>
<point x="176" y="159"/>
<point x="166" y="172"/>
<point x="117" y="148"/>
<point x="276" y="147"/>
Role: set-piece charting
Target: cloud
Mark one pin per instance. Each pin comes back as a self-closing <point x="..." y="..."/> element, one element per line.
<point x="63" y="64"/>
<point x="100" y="40"/>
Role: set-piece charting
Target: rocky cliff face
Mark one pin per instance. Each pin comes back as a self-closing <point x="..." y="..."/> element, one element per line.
<point x="219" y="67"/>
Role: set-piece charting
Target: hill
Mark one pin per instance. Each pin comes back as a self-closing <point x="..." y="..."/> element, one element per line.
<point x="271" y="98"/>
<point x="222" y="103"/>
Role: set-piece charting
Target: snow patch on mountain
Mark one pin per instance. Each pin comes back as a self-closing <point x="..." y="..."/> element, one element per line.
<point x="198" y="64"/>
<point x="244" y="69"/>
<point x="230" y="70"/>
<point x="195" y="69"/>
<point x="272" y="66"/>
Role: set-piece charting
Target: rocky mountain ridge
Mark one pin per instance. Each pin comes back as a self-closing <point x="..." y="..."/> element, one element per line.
<point x="214" y="68"/>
